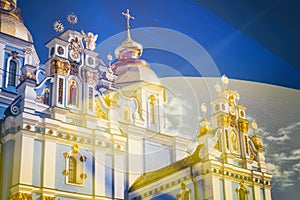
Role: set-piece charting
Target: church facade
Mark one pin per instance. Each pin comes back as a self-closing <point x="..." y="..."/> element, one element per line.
<point x="75" y="128"/>
<point x="227" y="163"/>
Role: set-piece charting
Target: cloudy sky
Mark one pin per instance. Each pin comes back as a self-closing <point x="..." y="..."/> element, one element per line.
<point x="275" y="109"/>
<point x="256" y="41"/>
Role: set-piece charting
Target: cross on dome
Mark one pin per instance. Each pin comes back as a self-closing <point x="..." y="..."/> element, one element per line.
<point x="128" y="17"/>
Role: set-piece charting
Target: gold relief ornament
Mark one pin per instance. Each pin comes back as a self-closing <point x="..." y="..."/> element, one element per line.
<point x="231" y="100"/>
<point x="243" y="125"/>
<point x="75" y="45"/>
<point x="28" y="75"/>
<point x="65" y="154"/>
<point x="59" y="67"/>
<point x="223" y="120"/>
<point x="242" y="191"/>
<point x="185" y="193"/>
<point x="152" y="99"/>
<point x="47" y="198"/>
<point x="99" y="111"/>
<point x="75" y="148"/>
<point x="65" y="172"/>
<point x="90" y="40"/>
<point x="21" y="196"/>
<point x="83" y="176"/>
<point x="258" y="143"/>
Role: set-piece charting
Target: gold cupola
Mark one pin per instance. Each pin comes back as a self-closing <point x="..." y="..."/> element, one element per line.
<point x="129" y="67"/>
<point x="11" y="22"/>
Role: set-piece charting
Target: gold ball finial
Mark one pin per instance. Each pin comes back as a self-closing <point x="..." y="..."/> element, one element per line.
<point x="225" y="80"/>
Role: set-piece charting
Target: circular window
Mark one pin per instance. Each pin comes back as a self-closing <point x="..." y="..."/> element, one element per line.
<point x="242" y="113"/>
<point x="217" y="107"/>
<point x="223" y="106"/>
<point x="60" y="50"/>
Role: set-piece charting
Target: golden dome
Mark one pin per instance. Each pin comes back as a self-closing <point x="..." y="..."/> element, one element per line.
<point x="129" y="49"/>
<point x="129" y="67"/>
<point x="11" y="22"/>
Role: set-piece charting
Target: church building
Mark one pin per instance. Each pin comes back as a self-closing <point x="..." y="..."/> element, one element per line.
<point x="76" y="128"/>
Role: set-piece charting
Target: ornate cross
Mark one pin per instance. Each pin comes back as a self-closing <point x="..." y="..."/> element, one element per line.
<point x="14" y="54"/>
<point x="128" y="17"/>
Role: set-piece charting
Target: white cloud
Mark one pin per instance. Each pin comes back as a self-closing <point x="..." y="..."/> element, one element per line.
<point x="283" y="134"/>
<point x="295" y="155"/>
<point x="278" y="139"/>
<point x="296" y="167"/>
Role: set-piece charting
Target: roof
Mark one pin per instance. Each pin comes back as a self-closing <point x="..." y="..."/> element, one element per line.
<point x="152" y="176"/>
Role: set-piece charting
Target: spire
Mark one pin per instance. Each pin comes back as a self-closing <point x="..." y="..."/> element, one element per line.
<point x="128" y="18"/>
<point x="129" y="49"/>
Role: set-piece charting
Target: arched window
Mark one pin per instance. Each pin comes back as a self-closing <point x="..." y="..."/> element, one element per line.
<point x="234" y="141"/>
<point x="75" y="167"/>
<point x="73" y="95"/>
<point x="12" y="72"/>
<point x="72" y="170"/>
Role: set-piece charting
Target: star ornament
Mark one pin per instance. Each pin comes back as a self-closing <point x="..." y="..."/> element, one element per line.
<point x="72" y="18"/>
<point x="58" y="26"/>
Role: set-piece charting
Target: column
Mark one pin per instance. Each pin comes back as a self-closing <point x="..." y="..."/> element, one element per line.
<point x="228" y="189"/>
<point x="99" y="173"/>
<point x="119" y="175"/>
<point x="49" y="159"/>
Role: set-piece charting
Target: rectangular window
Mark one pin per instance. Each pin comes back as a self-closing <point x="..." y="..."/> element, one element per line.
<point x="152" y="113"/>
<point x="60" y="90"/>
<point x="90" y="98"/>
<point x="12" y="73"/>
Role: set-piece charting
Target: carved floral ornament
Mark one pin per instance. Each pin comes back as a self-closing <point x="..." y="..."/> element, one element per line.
<point x="21" y="196"/>
<point x="59" y="67"/>
<point x="75" y="45"/>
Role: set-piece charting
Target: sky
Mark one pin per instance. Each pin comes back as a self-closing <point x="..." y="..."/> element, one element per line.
<point x="229" y="39"/>
<point x="254" y="42"/>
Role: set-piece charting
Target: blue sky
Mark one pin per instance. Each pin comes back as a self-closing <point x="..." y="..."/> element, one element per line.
<point x="235" y="53"/>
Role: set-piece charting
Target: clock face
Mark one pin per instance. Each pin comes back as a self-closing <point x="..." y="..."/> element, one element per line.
<point x="74" y="55"/>
<point x="232" y="110"/>
<point x="60" y="50"/>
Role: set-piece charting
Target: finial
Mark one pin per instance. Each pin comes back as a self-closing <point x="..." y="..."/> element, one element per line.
<point x="225" y="80"/>
<point x="72" y="19"/>
<point x="204" y="110"/>
<point x="58" y="26"/>
<point x="128" y="17"/>
<point x="254" y="126"/>
<point x="218" y="87"/>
